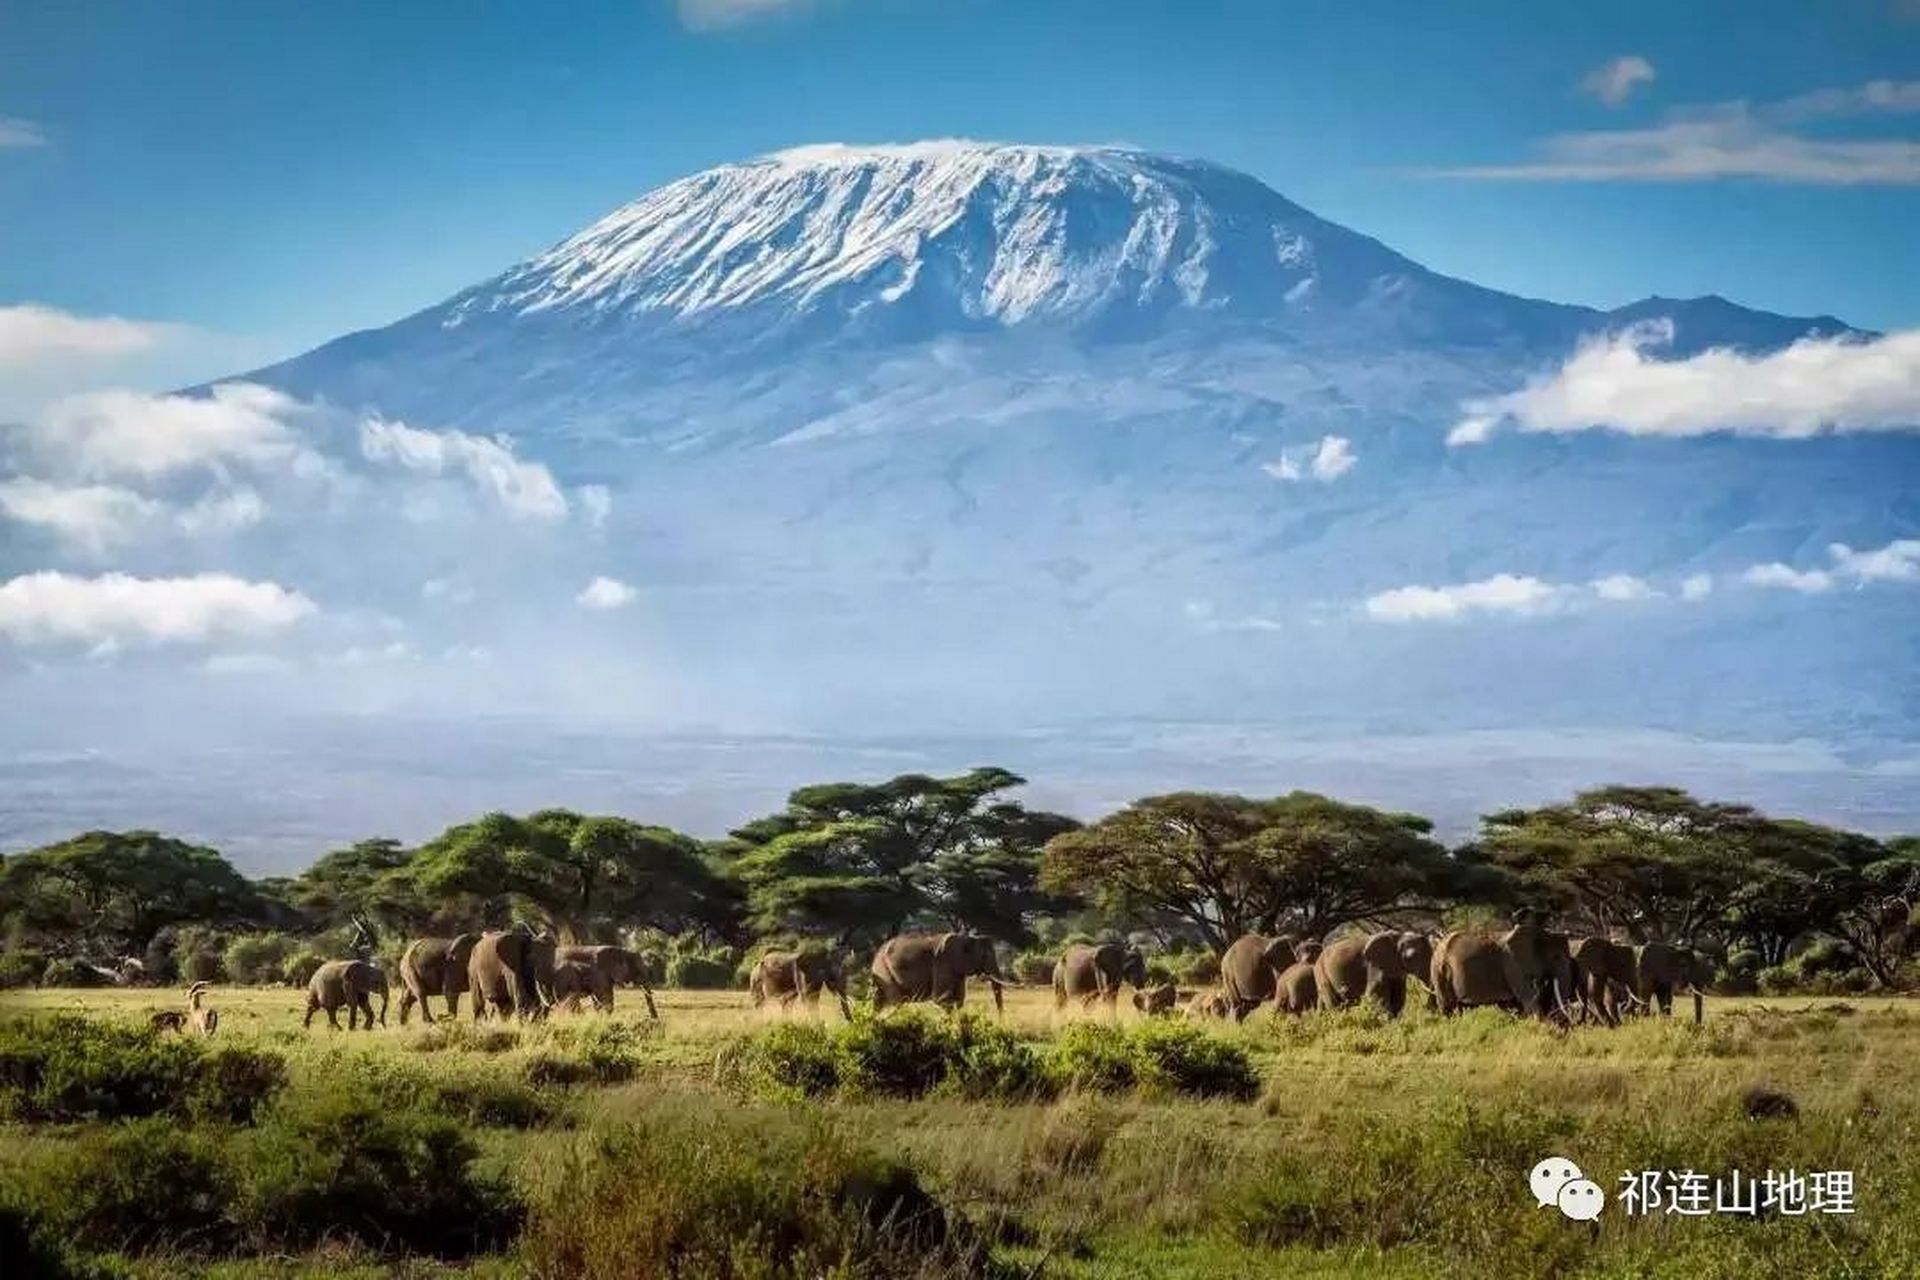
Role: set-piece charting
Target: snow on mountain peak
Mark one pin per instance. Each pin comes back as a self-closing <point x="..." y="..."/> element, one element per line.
<point x="949" y="230"/>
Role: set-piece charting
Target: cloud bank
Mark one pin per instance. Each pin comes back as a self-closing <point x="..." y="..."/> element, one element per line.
<point x="56" y="608"/>
<point x="1613" y="383"/>
<point x="1767" y="142"/>
<point x="30" y="333"/>
<point x="524" y="489"/>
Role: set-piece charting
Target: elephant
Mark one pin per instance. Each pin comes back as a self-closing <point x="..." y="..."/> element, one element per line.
<point x="1299" y="988"/>
<point x="1375" y="965"/>
<point x="1604" y="972"/>
<point x="1096" y="973"/>
<point x="1250" y="971"/>
<point x="1157" y="1001"/>
<point x="1306" y="952"/>
<point x="788" y="976"/>
<point x="348" y="984"/>
<point x="434" y="967"/>
<point x="1663" y="967"/>
<point x="1526" y="968"/>
<point x="1211" y="1003"/>
<point x="935" y="966"/>
<point x="606" y="968"/>
<point x="511" y="973"/>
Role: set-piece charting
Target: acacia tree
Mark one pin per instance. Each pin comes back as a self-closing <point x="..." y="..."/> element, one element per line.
<point x="1654" y="862"/>
<point x="862" y="861"/>
<point x="120" y="888"/>
<point x="573" y="872"/>
<point x="1875" y="905"/>
<point x="1221" y="866"/>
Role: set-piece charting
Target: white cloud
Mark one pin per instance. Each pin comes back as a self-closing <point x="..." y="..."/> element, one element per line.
<point x="1621" y="588"/>
<point x="95" y="517"/>
<point x="51" y="608"/>
<point x="128" y="433"/>
<point x="30" y="333"/>
<point x="447" y="590"/>
<point x="1517" y="595"/>
<point x="1502" y="593"/>
<point x="1812" y="581"/>
<point x="606" y="593"/>
<point x="1326" y="461"/>
<point x="18" y="133"/>
<point x="596" y="502"/>
<point x="710" y="15"/>
<point x="1696" y="586"/>
<point x="1896" y="562"/>
<point x="1614" y="81"/>
<point x="525" y="489"/>
<point x="1738" y="139"/>
<point x="1816" y="385"/>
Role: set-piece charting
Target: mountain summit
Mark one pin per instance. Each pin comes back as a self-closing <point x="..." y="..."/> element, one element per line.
<point x="826" y="252"/>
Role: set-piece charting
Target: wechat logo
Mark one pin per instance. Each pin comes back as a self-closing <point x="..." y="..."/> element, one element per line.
<point x="1558" y="1181"/>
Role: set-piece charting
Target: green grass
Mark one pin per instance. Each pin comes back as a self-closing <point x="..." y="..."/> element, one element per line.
<point x="1372" y="1147"/>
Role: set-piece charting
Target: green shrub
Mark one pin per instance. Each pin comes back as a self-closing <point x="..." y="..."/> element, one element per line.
<point x="991" y="1062"/>
<point x="1161" y="972"/>
<point x="258" y="959"/>
<point x="1094" y="1057"/>
<point x="65" y="972"/>
<point x="70" y="1068"/>
<point x="794" y="1058"/>
<point x="21" y="968"/>
<point x="198" y="954"/>
<point x="722" y="1196"/>
<point x="27" y="1249"/>
<point x="1178" y="1057"/>
<point x="904" y="1054"/>
<point x="298" y="969"/>
<point x="701" y="972"/>
<point x="336" y="1166"/>
<point x="144" y="1186"/>
<point x="1201" y="969"/>
<point x="1034" y="968"/>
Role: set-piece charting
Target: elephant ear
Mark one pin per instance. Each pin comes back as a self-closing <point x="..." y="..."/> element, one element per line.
<point x="944" y="946"/>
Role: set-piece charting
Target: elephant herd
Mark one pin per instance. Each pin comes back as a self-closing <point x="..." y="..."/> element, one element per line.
<point x="517" y="973"/>
<point x="512" y="973"/>
<point x="1528" y="969"/>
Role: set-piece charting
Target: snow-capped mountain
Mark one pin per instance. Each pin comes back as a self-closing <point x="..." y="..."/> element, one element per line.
<point x="855" y="254"/>
<point x="1027" y="448"/>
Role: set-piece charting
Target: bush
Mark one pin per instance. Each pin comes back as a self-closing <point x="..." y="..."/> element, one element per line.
<point x="701" y="972"/>
<point x="21" y="968"/>
<point x="1202" y="969"/>
<point x="716" y="1195"/>
<point x="66" y="972"/>
<point x="1176" y="1057"/>
<point x="198" y="954"/>
<point x="904" y="1055"/>
<point x="70" y="1068"/>
<point x="794" y="1059"/>
<point x="337" y="1166"/>
<point x="141" y="1187"/>
<point x="258" y="959"/>
<point x="298" y="969"/>
<point x="1094" y="1057"/>
<point x="28" y="1250"/>
<point x="1034" y="969"/>
<point x="992" y="1062"/>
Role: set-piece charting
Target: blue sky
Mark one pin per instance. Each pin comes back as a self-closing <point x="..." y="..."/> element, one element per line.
<point x="273" y="174"/>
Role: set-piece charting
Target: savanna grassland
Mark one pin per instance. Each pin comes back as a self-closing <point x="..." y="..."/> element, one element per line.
<point x="720" y="1142"/>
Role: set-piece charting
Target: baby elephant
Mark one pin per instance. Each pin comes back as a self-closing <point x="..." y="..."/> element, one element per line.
<point x="168" y="1020"/>
<point x="348" y="984"/>
<point x="1157" y="1001"/>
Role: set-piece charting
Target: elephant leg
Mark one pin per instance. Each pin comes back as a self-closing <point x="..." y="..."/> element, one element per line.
<point x="313" y="1007"/>
<point x="333" y="1017"/>
<point x="453" y="1002"/>
<point x="406" y="1007"/>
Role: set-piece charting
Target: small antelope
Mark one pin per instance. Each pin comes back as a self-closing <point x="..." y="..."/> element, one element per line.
<point x="202" y="1018"/>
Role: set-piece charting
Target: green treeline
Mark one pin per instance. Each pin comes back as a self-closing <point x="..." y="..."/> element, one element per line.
<point x="845" y="865"/>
